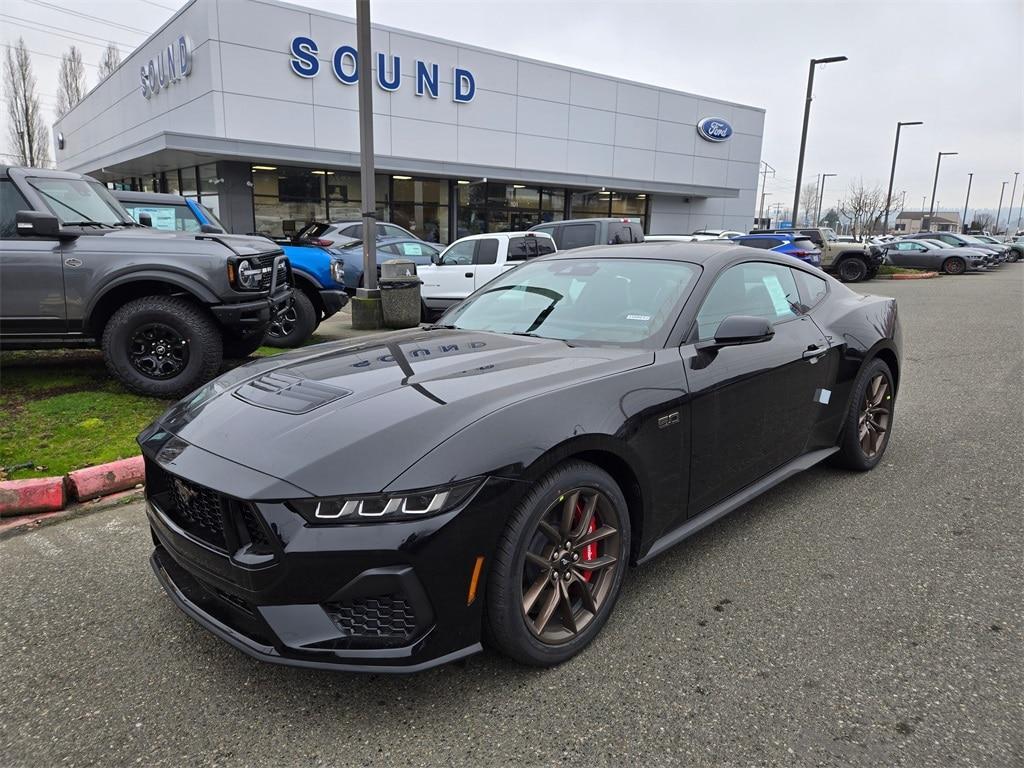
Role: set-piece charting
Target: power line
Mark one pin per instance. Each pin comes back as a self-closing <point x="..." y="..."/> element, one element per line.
<point x="44" y="4"/>
<point x="47" y="55"/>
<point x="158" y="5"/>
<point x="76" y="36"/>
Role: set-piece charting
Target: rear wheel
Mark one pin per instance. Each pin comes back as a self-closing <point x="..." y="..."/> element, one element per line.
<point x="870" y="418"/>
<point x="559" y="565"/>
<point x="852" y="269"/>
<point x="295" y="324"/>
<point x="954" y="266"/>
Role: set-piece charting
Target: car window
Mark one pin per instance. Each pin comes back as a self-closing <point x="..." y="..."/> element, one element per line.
<point x="755" y="288"/>
<point x="522" y="248"/>
<point x="356" y="231"/>
<point x="619" y="233"/>
<point x="487" y="251"/>
<point x="813" y="235"/>
<point x="414" y="249"/>
<point x="765" y="243"/>
<point x="804" y="243"/>
<point x="167" y="218"/>
<point x="811" y="287"/>
<point x="390" y="230"/>
<point x="460" y="253"/>
<point x="577" y="236"/>
<point x="77" y="200"/>
<point x="11" y="201"/>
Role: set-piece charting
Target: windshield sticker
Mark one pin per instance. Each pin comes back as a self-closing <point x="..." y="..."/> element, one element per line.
<point x="642" y="318"/>
<point x="775" y="290"/>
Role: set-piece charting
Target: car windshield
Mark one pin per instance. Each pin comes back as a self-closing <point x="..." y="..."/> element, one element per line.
<point x="830" y="234"/>
<point x="79" y="201"/>
<point x="613" y="301"/>
<point x="211" y="217"/>
<point x="969" y="239"/>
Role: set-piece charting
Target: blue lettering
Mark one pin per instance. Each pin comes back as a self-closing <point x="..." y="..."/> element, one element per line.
<point x="449" y="347"/>
<point x="426" y="79"/>
<point x="419" y="353"/>
<point x="477" y="344"/>
<point x="340" y="55"/>
<point x="464" y="87"/>
<point x="305" y="62"/>
<point x="396" y="75"/>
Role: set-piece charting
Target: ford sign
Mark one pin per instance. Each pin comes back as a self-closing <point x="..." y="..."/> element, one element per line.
<point x="714" y="129"/>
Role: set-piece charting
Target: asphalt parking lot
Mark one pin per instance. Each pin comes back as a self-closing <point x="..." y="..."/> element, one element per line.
<point x="840" y="619"/>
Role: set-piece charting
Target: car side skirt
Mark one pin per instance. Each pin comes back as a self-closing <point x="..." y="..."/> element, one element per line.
<point x="724" y="507"/>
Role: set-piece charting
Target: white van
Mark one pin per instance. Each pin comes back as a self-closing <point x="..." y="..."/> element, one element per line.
<point x="468" y="263"/>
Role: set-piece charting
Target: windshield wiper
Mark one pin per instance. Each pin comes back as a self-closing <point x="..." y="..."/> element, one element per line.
<point x="89" y="223"/>
<point x="127" y="224"/>
<point x="438" y="326"/>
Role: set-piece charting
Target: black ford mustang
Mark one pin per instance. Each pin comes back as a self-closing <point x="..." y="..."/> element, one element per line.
<point x="384" y="505"/>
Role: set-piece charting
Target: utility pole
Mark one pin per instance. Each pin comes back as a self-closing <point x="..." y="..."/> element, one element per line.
<point x="760" y="213"/>
<point x="963" y="224"/>
<point x="803" y="134"/>
<point x="1009" y="208"/>
<point x="765" y="168"/>
<point x="935" y="186"/>
<point x="366" y="309"/>
<point x="892" y="172"/>
<point x="999" y="210"/>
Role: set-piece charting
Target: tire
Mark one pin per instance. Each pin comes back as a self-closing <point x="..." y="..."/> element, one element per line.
<point x="507" y="622"/>
<point x="240" y="347"/>
<point x="954" y="266"/>
<point x="293" y="325"/>
<point x="852" y="269"/>
<point x="852" y="453"/>
<point x="162" y="346"/>
<point x="872" y="273"/>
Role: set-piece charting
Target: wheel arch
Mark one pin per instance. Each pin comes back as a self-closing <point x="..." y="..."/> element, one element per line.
<point x="310" y="287"/>
<point x="136" y="286"/>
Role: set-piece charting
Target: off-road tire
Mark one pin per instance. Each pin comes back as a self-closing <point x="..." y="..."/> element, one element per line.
<point x="185" y="317"/>
<point x="239" y="347"/>
<point x="303" y="319"/>
<point x="505" y="624"/>
<point x="852" y="269"/>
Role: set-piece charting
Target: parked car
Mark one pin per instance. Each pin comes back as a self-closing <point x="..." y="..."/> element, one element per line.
<point x="353" y="230"/>
<point x="930" y="254"/>
<point x="320" y="290"/>
<point x="578" y="233"/>
<point x="1015" y="247"/>
<point x="962" y="241"/>
<point x="850" y="262"/>
<point x="351" y="256"/>
<point x="797" y="246"/>
<point x="669" y="239"/>
<point x="714" y="234"/>
<point x="165" y="307"/>
<point x="467" y="264"/>
<point x="390" y="505"/>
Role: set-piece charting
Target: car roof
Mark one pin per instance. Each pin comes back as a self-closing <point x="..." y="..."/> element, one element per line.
<point x="773" y="235"/>
<point x="126" y="196"/>
<point x="708" y="253"/>
<point x="522" y="233"/>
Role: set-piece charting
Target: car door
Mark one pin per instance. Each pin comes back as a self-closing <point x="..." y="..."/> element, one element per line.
<point x="905" y="254"/>
<point x="753" y="406"/>
<point x="451" y="279"/>
<point x="486" y="264"/>
<point x="31" y="275"/>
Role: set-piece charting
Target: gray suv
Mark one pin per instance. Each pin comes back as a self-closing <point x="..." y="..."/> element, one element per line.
<point x="165" y="307"/>
<point x="579" y="233"/>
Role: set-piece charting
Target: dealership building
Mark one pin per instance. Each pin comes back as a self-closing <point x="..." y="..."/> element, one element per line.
<point x="251" y="106"/>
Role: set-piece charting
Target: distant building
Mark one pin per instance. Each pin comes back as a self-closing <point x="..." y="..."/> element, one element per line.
<point x="941" y="221"/>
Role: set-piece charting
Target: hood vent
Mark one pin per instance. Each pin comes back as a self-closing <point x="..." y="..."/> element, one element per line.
<point x="288" y="393"/>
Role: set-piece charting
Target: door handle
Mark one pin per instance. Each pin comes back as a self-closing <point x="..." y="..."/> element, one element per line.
<point x="469" y="274"/>
<point x="814" y="351"/>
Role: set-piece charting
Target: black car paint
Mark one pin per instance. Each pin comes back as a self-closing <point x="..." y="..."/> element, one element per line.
<point x="685" y="431"/>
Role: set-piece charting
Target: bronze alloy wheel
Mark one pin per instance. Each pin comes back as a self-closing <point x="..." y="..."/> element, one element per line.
<point x="875" y="414"/>
<point x="569" y="567"/>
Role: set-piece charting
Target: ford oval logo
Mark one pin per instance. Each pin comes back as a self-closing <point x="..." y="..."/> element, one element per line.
<point x="714" y="129"/>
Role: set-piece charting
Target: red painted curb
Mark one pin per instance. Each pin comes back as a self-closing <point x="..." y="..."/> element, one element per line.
<point x="921" y="276"/>
<point x="37" y="494"/>
<point x="92" y="482"/>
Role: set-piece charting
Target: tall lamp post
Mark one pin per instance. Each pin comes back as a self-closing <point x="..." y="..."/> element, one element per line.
<point x="892" y="171"/>
<point x="803" y="135"/>
<point x="935" y="185"/>
<point x="821" y="196"/>
<point x="963" y="224"/>
<point x="1009" y="208"/>
<point x="760" y="213"/>
<point x="999" y="210"/>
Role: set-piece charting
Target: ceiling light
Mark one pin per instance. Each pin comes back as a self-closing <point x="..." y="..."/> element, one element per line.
<point x="462" y="181"/>
<point x="264" y="167"/>
<point x="518" y="186"/>
<point x="320" y="173"/>
<point x="642" y="197"/>
<point x="603" y="192"/>
<point x="402" y="178"/>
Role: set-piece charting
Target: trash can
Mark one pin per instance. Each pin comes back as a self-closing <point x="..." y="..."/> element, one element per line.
<point x="400" y="293"/>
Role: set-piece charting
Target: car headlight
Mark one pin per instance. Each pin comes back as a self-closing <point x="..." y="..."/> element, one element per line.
<point x="244" y="275"/>
<point x="338" y="270"/>
<point x="384" y="507"/>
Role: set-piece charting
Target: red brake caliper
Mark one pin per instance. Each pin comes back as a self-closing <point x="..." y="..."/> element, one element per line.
<point x="590" y="551"/>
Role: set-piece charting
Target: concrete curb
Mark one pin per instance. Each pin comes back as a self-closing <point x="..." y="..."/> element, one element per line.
<point x="14" y="526"/>
<point x="914" y="276"/>
<point x="51" y="494"/>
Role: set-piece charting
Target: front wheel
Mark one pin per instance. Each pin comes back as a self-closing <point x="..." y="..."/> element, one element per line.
<point x="559" y="565"/>
<point x="870" y="418"/>
<point x="954" y="266"/>
<point x="293" y="325"/>
<point x="852" y="269"/>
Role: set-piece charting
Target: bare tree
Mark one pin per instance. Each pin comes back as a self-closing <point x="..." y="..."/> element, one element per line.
<point x="26" y="130"/>
<point x="70" y="81"/>
<point x="809" y="203"/>
<point x="983" y="222"/>
<point x="863" y="206"/>
<point x="110" y="61"/>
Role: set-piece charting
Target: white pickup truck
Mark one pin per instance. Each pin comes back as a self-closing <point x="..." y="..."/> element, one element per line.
<point x="467" y="264"/>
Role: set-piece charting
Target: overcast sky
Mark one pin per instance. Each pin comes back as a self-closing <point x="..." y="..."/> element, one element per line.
<point x="955" y="65"/>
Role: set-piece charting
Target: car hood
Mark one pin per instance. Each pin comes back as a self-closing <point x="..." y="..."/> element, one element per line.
<point x="144" y="238"/>
<point x="343" y="418"/>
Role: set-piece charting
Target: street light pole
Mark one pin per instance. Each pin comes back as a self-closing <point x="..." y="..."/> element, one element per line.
<point x="935" y="186"/>
<point x="821" y="196"/>
<point x="999" y="210"/>
<point x="1009" y="207"/>
<point x="892" y="172"/>
<point x="760" y="212"/>
<point x="963" y="224"/>
<point x="803" y="135"/>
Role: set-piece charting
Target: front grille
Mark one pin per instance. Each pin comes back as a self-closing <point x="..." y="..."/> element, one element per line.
<point x="197" y="510"/>
<point x="263" y="261"/>
<point x="257" y="536"/>
<point x="384" y="620"/>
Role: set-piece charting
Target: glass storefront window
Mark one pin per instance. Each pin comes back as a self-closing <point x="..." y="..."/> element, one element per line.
<point x="189" y="188"/>
<point x="171" y="183"/>
<point x="629" y="204"/>
<point x="421" y="206"/>
<point x="278" y="219"/>
<point x="588" y="205"/>
<point x="208" y="181"/>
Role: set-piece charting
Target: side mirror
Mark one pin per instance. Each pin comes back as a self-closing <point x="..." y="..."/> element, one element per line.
<point x="435" y="258"/>
<point x="37" y="224"/>
<point x="211" y="229"/>
<point x="145" y="220"/>
<point x="736" y="330"/>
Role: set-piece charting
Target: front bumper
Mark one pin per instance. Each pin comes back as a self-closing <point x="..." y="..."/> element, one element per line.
<point x="333" y="301"/>
<point x="249" y="315"/>
<point x="381" y="597"/>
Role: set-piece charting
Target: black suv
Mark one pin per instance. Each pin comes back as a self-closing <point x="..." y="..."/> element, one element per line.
<point x="165" y="307"/>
